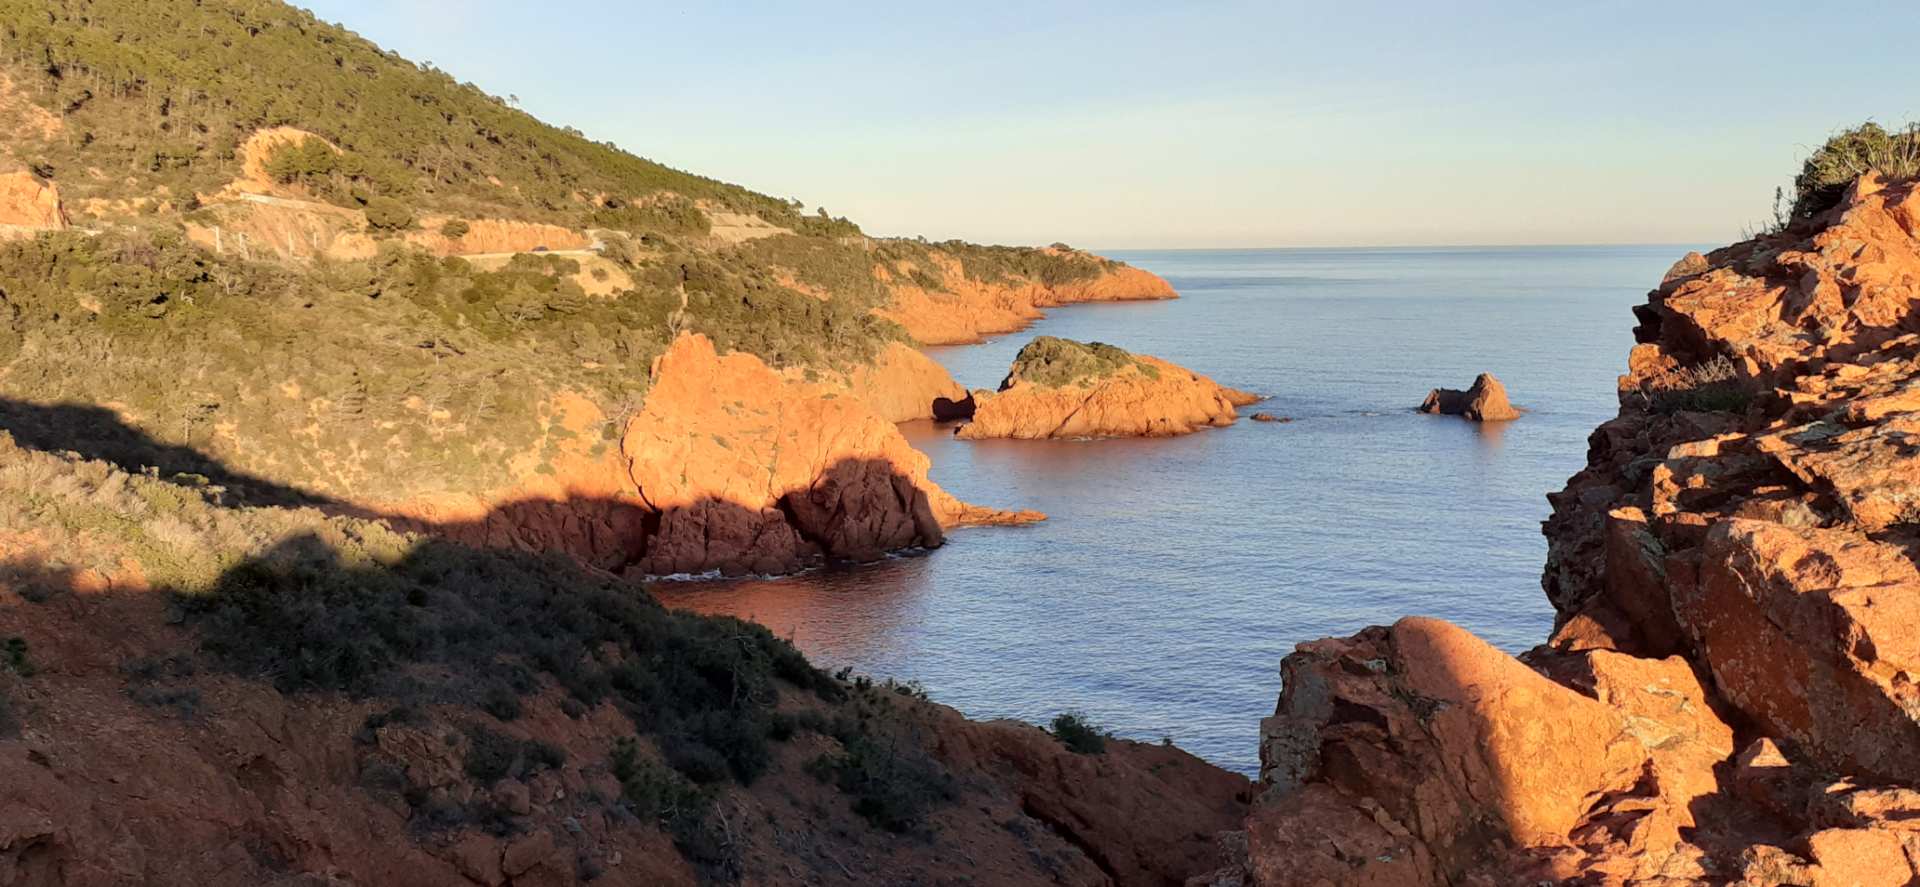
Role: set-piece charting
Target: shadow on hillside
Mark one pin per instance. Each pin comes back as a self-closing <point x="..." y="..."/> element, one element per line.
<point x="858" y="510"/>
<point x="439" y="633"/>
<point x="99" y="434"/>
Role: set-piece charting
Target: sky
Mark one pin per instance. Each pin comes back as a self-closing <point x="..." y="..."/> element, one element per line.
<point x="1198" y="124"/>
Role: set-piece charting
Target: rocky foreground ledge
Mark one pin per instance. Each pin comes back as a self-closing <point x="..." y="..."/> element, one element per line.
<point x="1059" y="388"/>
<point x="1729" y="693"/>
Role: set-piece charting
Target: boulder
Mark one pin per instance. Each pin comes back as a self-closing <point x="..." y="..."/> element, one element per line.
<point x="1485" y="401"/>
<point x="1419" y="754"/>
<point x="29" y="204"/>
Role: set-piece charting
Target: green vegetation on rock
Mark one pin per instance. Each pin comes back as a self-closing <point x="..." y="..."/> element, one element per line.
<point x="1079" y="734"/>
<point x="1052" y="362"/>
<point x="1054" y="266"/>
<point x="1845" y="157"/>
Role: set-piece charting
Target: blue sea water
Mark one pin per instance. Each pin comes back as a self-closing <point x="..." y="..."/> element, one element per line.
<point x="1173" y="575"/>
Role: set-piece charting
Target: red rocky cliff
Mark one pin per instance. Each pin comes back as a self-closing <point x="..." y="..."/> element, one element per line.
<point x="749" y="470"/>
<point x="1728" y="696"/>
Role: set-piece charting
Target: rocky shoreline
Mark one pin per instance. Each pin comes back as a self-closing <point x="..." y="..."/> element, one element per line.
<point x="1727" y="695"/>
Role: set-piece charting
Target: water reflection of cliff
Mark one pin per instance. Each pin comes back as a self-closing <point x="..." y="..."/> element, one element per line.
<point x="838" y="615"/>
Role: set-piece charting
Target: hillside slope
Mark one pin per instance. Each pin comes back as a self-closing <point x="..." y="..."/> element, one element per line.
<point x="256" y="237"/>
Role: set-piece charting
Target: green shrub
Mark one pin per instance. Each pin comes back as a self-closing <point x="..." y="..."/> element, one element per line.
<point x="891" y="780"/>
<point x="1833" y="167"/>
<point x="662" y="796"/>
<point x="13" y="654"/>
<point x="388" y="214"/>
<point x="454" y="229"/>
<point x="1079" y="735"/>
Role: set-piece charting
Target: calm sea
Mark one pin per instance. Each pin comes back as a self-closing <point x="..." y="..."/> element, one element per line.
<point x="1175" y="574"/>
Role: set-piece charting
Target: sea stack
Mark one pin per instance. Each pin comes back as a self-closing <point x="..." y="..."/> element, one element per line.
<point x="1484" y="401"/>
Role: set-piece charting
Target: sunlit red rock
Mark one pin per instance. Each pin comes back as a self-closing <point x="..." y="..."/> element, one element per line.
<point x="1484" y="401"/>
<point x="748" y="470"/>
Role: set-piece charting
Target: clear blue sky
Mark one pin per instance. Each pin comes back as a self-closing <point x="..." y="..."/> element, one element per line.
<point x="1122" y="124"/>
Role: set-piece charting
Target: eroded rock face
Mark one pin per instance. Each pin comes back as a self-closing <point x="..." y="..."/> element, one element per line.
<point x="1063" y="389"/>
<point x="750" y="471"/>
<point x="28" y="204"/>
<point x="1484" y="401"/>
<point x="1418" y="754"/>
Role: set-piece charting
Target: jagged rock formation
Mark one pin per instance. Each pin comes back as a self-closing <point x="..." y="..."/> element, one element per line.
<point x="1484" y="401"/>
<point x="1063" y="389"/>
<point x="1727" y="697"/>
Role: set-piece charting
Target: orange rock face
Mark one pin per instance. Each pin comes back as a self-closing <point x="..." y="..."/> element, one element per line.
<point x="1485" y="401"/>
<point x="750" y="471"/>
<point x="965" y="311"/>
<point x="903" y="384"/>
<point x="1148" y="397"/>
<point x="28" y="204"/>
<point x="730" y="467"/>
<point x="1418" y="754"/>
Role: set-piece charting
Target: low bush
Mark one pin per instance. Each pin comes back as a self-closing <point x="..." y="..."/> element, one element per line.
<point x="664" y="796"/>
<point x="388" y="214"/>
<point x="1850" y="154"/>
<point x="1715" y="386"/>
<point x="705" y="686"/>
<point x="892" y="782"/>
<point x="1080" y="735"/>
<point x="1009" y="265"/>
<point x="13" y="655"/>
